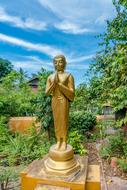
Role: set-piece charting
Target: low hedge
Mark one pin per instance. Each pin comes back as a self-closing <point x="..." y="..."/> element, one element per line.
<point x="82" y="121"/>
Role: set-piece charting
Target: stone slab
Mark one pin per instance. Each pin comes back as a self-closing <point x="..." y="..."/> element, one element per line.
<point x="93" y="178"/>
<point x="92" y="181"/>
<point x="117" y="184"/>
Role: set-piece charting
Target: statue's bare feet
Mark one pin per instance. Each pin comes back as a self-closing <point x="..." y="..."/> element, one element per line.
<point x="63" y="146"/>
<point x="57" y="145"/>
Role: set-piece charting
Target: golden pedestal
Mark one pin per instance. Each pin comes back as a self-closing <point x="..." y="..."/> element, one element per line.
<point x="36" y="174"/>
<point x="61" y="162"/>
<point x="92" y="181"/>
<point x="60" y="169"/>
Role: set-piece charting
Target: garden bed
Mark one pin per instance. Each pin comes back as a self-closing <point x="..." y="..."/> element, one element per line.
<point x="110" y="171"/>
<point x="111" y="178"/>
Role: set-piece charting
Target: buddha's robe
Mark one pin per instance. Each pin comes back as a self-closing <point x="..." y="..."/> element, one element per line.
<point x="61" y="97"/>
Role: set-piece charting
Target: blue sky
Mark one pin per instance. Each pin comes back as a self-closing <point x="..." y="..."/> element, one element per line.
<point x="32" y="32"/>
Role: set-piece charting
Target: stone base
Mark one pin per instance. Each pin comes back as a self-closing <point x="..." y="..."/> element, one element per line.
<point x="92" y="181"/>
<point x="36" y="175"/>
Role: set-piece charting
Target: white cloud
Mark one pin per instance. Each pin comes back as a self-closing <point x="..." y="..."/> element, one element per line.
<point x="101" y="19"/>
<point x="82" y="11"/>
<point x="79" y="63"/>
<point x="25" y="65"/>
<point x="31" y="63"/>
<point x="81" y="58"/>
<point x="69" y="27"/>
<point x="82" y="16"/>
<point x="35" y="62"/>
<point x="27" y="23"/>
<point x="65" y="9"/>
<point x="38" y="60"/>
<point x="69" y="16"/>
<point x="78" y="67"/>
<point x="43" y="48"/>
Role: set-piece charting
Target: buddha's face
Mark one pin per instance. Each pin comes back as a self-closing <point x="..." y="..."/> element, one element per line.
<point x="59" y="64"/>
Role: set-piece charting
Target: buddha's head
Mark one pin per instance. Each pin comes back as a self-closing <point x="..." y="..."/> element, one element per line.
<point x="59" y="62"/>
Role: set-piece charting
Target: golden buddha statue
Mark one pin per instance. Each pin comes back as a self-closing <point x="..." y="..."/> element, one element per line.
<point x="61" y="86"/>
<point x="60" y="168"/>
<point x="61" y="159"/>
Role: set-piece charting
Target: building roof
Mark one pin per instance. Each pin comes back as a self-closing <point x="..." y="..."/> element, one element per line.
<point x="34" y="81"/>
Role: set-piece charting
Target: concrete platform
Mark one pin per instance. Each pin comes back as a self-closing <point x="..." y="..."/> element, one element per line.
<point x="92" y="181"/>
<point x="36" y="174"/>
<point x="35" y="178"/>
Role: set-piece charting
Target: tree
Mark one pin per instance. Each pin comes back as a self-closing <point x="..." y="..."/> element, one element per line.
<point x="43" y="103"/>
<point x="110" y="64"/>
<point x="87" y="96"/>
<point x="81" y="98"/>
<point x="5" y="67"/>
<point x="16" y="97"/>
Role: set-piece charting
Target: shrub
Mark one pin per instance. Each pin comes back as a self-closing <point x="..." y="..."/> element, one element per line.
<point x="116" y="147"/>
<point x="82" y="121"/>
<point x="123" y="164"/>
<point x="75" y="139"/>
<point x="9" y="177"/>
<point x="43" y="109"/>
<point x="6" y="176"/>
<point x="105" y="152"/>
<point x="103" y="125"/>
<point x="125" y="148"/>
<point x="4" y="133"/>
<point x="16" y="97"/>
<point x="20" y="148"/>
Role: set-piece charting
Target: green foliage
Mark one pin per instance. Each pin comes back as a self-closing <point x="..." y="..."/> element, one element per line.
<point x="110" y="63"/>
<point x="95" y="89"/>
<point x="7" y="175"/>
<point x="116" y="147"/>
<point x="4" y="133"/>
<point x="82" y="121"/>
<point x="123" y="164"/>
<point x="16" y="97"/>
<point x="5" y="67"/>
<point x="81" y="98"/>
<point x="43" y="107"/>
<point x="105" y="152"/>
<point x="75" y="139"/>
<point x="123" y="2"/>
<point x="20" y="148"/>
<point x="101" y="129"/>
<point x="122" y="122"/>
<point x="102" y="126"/>
<point x="86" y="99"/>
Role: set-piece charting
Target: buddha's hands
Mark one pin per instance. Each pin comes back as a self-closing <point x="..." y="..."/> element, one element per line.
<point x="55" y="80"/>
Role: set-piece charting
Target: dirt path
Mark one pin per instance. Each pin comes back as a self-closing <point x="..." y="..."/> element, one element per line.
<point x="109" y="178"/>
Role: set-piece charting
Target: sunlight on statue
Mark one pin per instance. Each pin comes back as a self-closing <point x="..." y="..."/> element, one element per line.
<point x="60" y="85"/>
